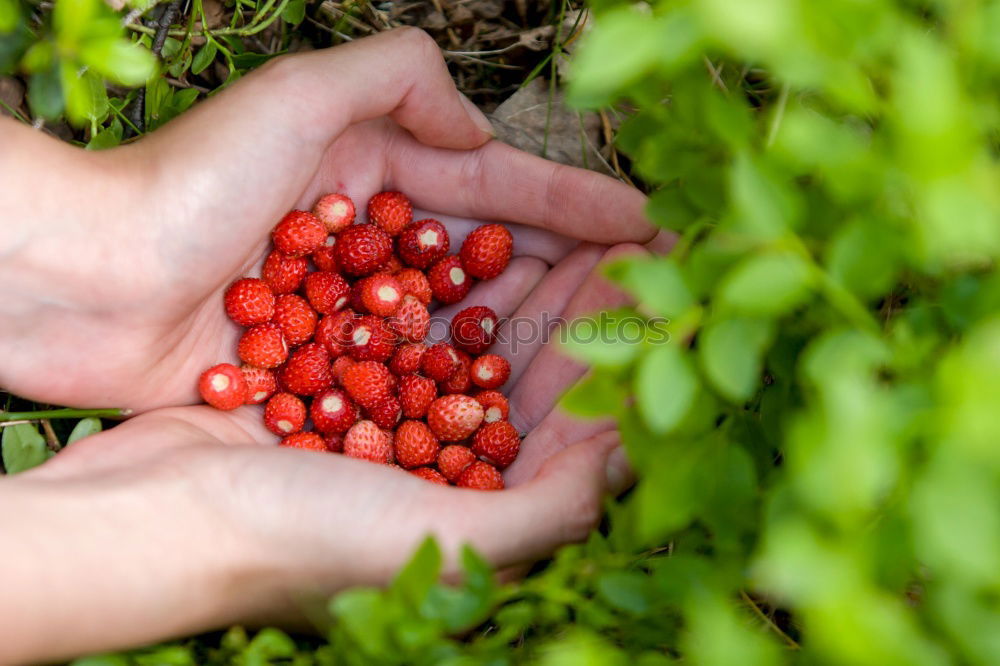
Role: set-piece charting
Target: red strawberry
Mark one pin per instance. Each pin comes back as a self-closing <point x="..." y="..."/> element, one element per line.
<point x="308" y="441"/>
<point x="415" y="444"/>
<point x="407" y="357"/>
<point x="453" y="459"/>
<point x="495" y="406"/>
<point x="422" y="243"/>
<point x="460" y="380"/>
<point x="474" y="329"/>
<point x="371" y="339"/>
<point x="355" y="301"/>
<point x="325" y="256"/>
<point x="448" y="281"/>
<point x="223" y="386"/>
<point x="393" y="266"/>
<point x="381" y="294"/>
<point x="295" y="317"/>
<point x="454" y="417"/>
<point x="334" y="443"/>
<point x="486" y="251"/>
<point x="334" y="332"/>
<point x="490" y="371"/>
<point x="368" y="383"/>
<point x="298" y="234"/>
<point x="480" y="476"/>
<point x="284" y="414"/>
<point x="390" y="210"/>
<point x="416" y="394"/>
<point x="366" y="440"/>
<point x="386" y="413"/>
<point x="415" y="282"/>
<point x="249" y="301"/>
<point x="412" y="321"/>
<point x="429" y="474"/>
<point x="440" y="362"/>
<point x="497" y="443"/>
<point x="327" y="292"/>
<point x="284" y="274"/>
<point x="362" y="249"/>
<point x="261" y="384"/>
<point x="263" y="346"/>
<point x="335" y="211"/>
<point x="333" y="412"/>
<point x="307" y="371"/>
<point x="340" y="366"/>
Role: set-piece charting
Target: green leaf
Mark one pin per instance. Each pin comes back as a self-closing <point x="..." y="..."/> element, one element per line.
<point x="109" y="137"/>
<point x="205" y="56"/>
<point x="10" y="16"/>
<point x="86" y="98"/>
<point x="731" y="352"/>
<point x="665" y="387"/>
<point x="609" y="339"/>
<point x="768" y="284"/>
<point x="656" y="282"/>
<point x="45" y="94"/>
<point x="765" y="206"/>
<point x="598" y="394"/>
<point x="120" y="60"/>
<point x="84" y="428"/>
<point x="414" y="581"/>
<point x="23" y="448"/>
<point x="294" y="12"/>
<point x="626" y="590"/>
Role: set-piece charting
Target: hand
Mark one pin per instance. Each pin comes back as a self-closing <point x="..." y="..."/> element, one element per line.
<point x="135" y="254"/>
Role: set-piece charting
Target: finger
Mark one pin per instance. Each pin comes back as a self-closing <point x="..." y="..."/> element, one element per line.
<point x="663" y="242"/>
<point x="498" y="182"/>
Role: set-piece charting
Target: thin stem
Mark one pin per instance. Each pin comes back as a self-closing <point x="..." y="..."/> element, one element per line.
<point x="779" y="115"/>
<point x="64" y="414"/>
<point x="789" y="641"/>
<point x="14" y="112"/>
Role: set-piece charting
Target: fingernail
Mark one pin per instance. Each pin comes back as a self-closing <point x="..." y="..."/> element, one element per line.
<point x="618" y="471"/>
<point x="477" y="116"/>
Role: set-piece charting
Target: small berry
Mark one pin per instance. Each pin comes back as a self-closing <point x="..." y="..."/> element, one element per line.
<point x="486" y="251"/>
<point x="335" y="211"/>
<point x="261" y="384"/>
<point x="284" y="414"/>
<point x="422" y="243"/>
<point x="299" y="233"/>
<point x="414" y="282"/>
<point x="448" y="281"/>
<point x="381" y="294"/>
<point x="454" y="417"/>
<point x="406" y="358"/>
<point x="393" y="266"/>
<point x="334" y="443"/>
<point x="481" y="476"/>
<point x="263" y="346"/>
<point x="416" y="394"/>
<point x="415" y="444"/>
<point x="460" y="380"/>
<point x="340" y="366"/>
<point x="284" y="274"/>
<point x="249" y="301"/>
<point x="453" y="459"/>
<point x="362" y="249"/>
<point x="440" y="362"/>
<point x="295" y="317"/>
<point x="490" y="371"/>
<point x="325" y="256"/>
<point x="333" y="412"/>
<point x="368" y="383"/>
<point x="223" y="386"/>
<point x="390" y="210"/>
<point x="412" y="321"/>
<point x="386" y="413"/>
<point x="334" y="332"/>
<point x="495" y="406"/>
<point x="327" y="292"/>
<point x="371" y="339"/>
<point x="429" y="474"/>
<point x="367" y="441"/>
<point x="308" y="441"/>
<point x="307" y="371"/>
<point x="497" y="443"/>
<point x="474" y="329"/>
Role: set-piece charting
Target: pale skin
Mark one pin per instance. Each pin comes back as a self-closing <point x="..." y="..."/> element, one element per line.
<point x="113" y="264"/>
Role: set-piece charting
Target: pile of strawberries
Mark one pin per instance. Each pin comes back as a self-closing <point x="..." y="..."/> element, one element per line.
<point x="343" y="346"/>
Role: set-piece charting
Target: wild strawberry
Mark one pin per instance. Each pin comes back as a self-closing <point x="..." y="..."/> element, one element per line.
<point x="261" y="384"/>
<point x="415" y="444"/>
<point x="386" y="413"/>
<point x="448" y="281"/>
<point x="249" y="301"/>
<point x="381" y="294"/>
<point x="223" y="386"/>
<point x="368" y="383"/>
<point x="325" y="256"/>
<point x="371" y="339"/>
<point x="454" y="417"/>
<point x="340" y="366"/>
<point x="295" y="317"/>
<point x="486" y="251"/>
<point x="474" y="329"/>
<point x="406" y="358"/>
<point x="497" y="443"/>
<point x="335" y="211"/>
<point x="412" y="321"/>
<point x="393" y="266"/>
<point x="416" y="394"/>
<point x="495" y="406"/>
<point x="333" y="412"/>
<point x="390" y="210"/>
<point x="460" y="380"/>
<point x="367" y="441"/>
<point x="334" y="443"/>
<point x="481" y="476"/>
<point x="307" y="371"/>
<point x="298" y="234"/>
<point x="414" y="282"/>
<point x="422" y="243"/>
<point x="453" y="459"/>
<point x="334" y="332"/>
<point x="284" y="414"/>
<point x="362" y="249"/>
<point x="440" y="362"/>
<point x="327" y="292"/>
<point x="308" y="441"/>
<point x="263" y="346"/>
<point x="354" y="300"/>
<point x="490" y="371"/>
<point x="429" y="474"/>
<point x="284" y="274"/>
